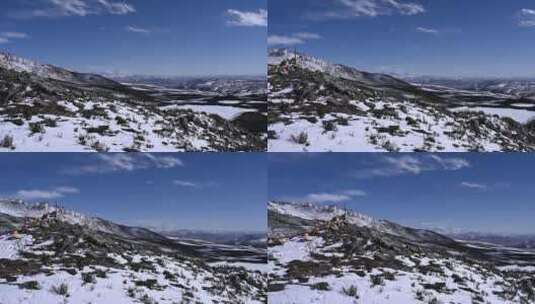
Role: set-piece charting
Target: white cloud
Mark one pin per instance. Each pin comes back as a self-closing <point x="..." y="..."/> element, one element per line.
<point x="355" y="192"/>
<point x="183" y="183"/>
<point x="327" y="198"/>
<point x="38" y="194"/>
<point x="474" y="186"/>
<point x="14" y="35"/>
<point x="307" y="36"/>
<point x="164" y="162"/>
<point x="337" y="197"/>
<point x="7" y="37"/>
<point x="526" y="17"/>
<point x="135" y="29"/>
<point x="451" y="163"/>
<point x="116" y="162"/>
<point x="284" y="40"/>
<point x="374" y="8"/>
<point x="72" y="7"/>
<point x="117" y="8"/>
<point x="427" y="30"/>
<point x="408" y="164"/>
<point x="67" y="189"/>
<point x="294" y="39"/>
<point x="46" y="194"/>
<point x="244" y="18"/>
<point x="406" y="8"/>
<point x="82" y="8"/>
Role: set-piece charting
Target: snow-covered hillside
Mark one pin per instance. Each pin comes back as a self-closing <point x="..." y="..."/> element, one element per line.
<point x="316" y="106"/>
<point x="314" y="212"/>
<point x="21" y="209"/>
<point x="44" y="108"/>
<point x="115" y="126"/>
<point x="60" y="256"/>
<point x="18" y="64"/>
<point x="328" y="257"/>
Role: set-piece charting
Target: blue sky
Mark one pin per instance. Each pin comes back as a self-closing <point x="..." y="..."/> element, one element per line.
<point x="479" y="38"/>
<point x="157" y="37"/>
<point x="160" y="191"/>
<point x="453" y="192"/>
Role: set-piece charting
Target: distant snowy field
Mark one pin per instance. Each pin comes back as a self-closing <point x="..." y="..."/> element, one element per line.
<point x="227" y="112"/>
<point x="522" y="116"/>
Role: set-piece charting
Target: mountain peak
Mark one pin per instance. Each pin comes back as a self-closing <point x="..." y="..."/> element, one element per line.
<point x="20" y="208"/>
<point x="10" y="61"/>
<point x="312" y="211"/>
<point x="18" y="64"/>
<point x="277" y="57"/>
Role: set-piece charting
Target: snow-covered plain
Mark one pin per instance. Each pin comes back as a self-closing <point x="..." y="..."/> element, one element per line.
<point x="227" y="112"/>
<point x="522" y="116"/>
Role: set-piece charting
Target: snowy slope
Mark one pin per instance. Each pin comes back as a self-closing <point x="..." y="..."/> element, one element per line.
<point x="48" y="109"/>
<point x="316" y="106"/>
<point x="126" y="277"/>
<point x="18" y="208"/>
<point x="18" y="64"/>
<point x="63" y="256"/>
<point x="337" y="260"/>
<point x="116" y="126"/>
<point x="278" y="56"/>
<point x="310" y="211"/>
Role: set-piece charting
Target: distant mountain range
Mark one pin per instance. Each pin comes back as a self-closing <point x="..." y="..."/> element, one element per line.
<point x="514" y="241"/>
<point x="519" y="87"/>
<point x="313" y="212"/>
<point x="21" y="209"/>
<point x="229" y="85"/>
<point x="14" y="63"/>
<point x="256" y="239"/>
